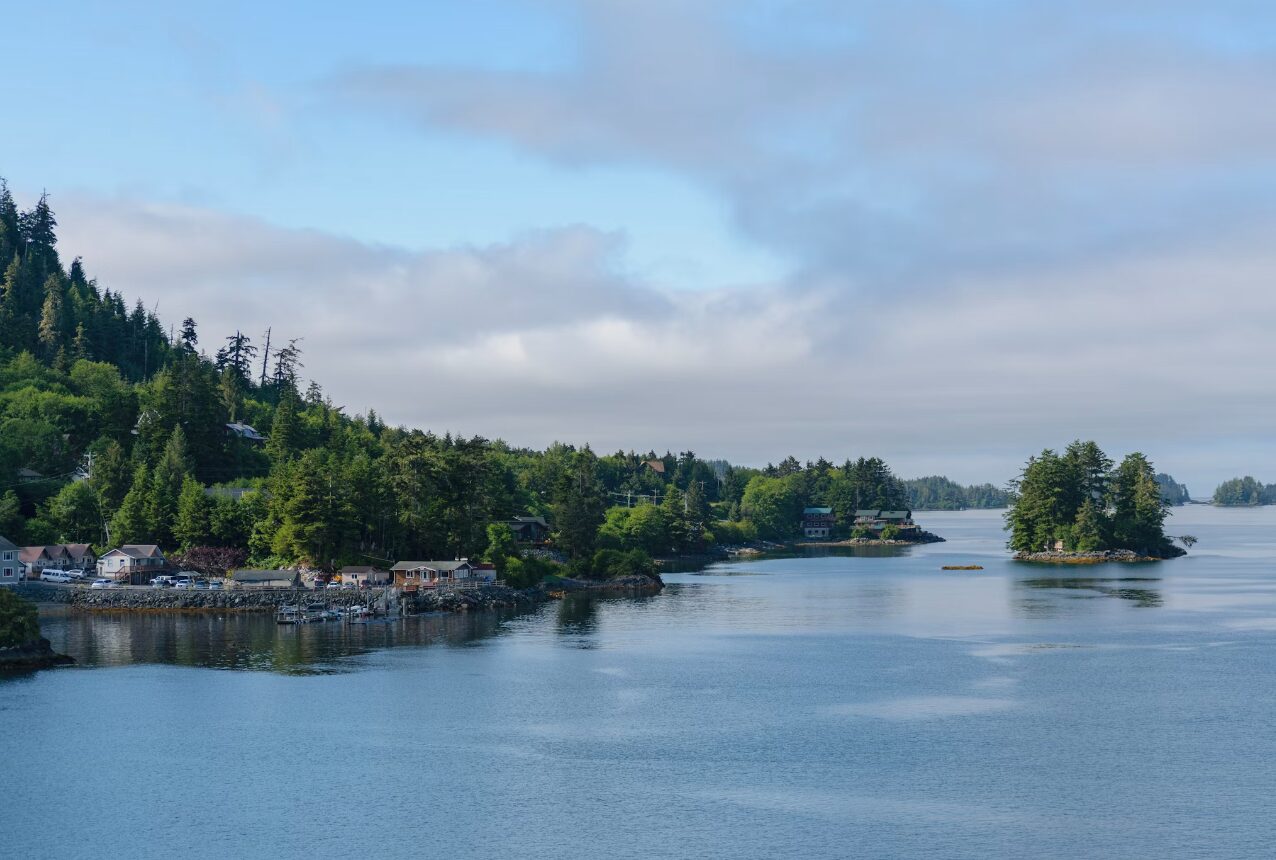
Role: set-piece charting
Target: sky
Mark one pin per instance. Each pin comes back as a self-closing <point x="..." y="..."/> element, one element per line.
<point x="949" y="234"/>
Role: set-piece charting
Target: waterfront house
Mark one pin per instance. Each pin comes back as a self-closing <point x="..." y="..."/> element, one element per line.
<point x="133" y="563"/>
<point x="35" y="560"/>
<point x="876" y="520"/>
<point x="485" y="571"/>
<point x="80" y="556"/>
<point x="266" y="579"/>
<point x="533" y="530"/>
<point x="817" y="523"/>
<point x="411" y="575"/>
<point x="361" y="574"/>
<point x="10" y="567"/>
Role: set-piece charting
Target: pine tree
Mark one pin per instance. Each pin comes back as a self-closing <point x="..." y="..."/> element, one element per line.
<point x="130" y="523"/>
<point x="51" y="317"/>
<point x="284" y="430"/>
<point x="169" y="475"/>
<point x="193" y="526"/>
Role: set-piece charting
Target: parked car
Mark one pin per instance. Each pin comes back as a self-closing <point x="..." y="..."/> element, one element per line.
<point x="334" y="585"/>
<point x="162" y="581"/>
<point x="200" y="584"/>
<point x="215" y="585"/>
<point x="183" y="582"/>
<point x="103" y="583"/>
<point x="55" y="576"/>
<point x="76" y="573"/>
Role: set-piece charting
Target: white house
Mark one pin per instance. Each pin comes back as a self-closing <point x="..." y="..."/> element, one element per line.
<point x="10" y="568"/>
<point x="132" y="562"/>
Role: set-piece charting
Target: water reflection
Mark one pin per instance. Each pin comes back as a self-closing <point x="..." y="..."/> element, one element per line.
<point x="1135" y="589"/>
<point x="255" y="642"/>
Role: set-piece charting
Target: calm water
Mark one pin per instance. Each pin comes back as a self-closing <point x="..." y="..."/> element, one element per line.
<point x="867" y="706"/>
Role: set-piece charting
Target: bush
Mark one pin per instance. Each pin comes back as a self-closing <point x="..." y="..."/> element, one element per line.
<point x="528" y="572"/>
<point x="890" y="532"/>
<point x="19" y="623"/>
<point x="859" y="533"/>
<point x="608" y="563"/>
<point x="734" y="533"/>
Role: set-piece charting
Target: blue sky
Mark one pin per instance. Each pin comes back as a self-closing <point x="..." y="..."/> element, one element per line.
<point x="949" y="232"/>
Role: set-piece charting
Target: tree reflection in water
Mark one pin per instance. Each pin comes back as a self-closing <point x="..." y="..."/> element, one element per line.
<point x="1129" y="588"/>
<point x="255" y="642"/>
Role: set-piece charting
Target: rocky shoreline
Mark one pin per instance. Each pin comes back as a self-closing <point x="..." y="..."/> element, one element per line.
<point x="1126" y="556"/>
<point x="135" y="600"/>
<point x="921" y="538"/>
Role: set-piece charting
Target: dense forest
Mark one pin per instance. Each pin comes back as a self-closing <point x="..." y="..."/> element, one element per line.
<point x="115" y="431"/>
<point x="1244" y="492"/>
<point x="937" y="493"/>
<point x="1084" y="501"/>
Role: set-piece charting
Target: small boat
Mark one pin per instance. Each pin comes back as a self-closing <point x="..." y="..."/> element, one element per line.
<point x="289" y="615"/>
<point x="315" y="612"/>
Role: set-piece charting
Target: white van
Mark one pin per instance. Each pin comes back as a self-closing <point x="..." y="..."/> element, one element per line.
<point x="55" y="576"/>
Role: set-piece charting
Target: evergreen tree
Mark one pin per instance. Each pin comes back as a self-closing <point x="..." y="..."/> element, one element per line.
<point x="285" y="430"/>
<point x="75" y="514"/>
<point x="578" y="505"/>
<point x="193" y="526"/>
<point x="130" y="523"/>
<point x="166" y="484"/>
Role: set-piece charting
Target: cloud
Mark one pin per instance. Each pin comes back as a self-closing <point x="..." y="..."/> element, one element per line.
<point x="912" y="138"/>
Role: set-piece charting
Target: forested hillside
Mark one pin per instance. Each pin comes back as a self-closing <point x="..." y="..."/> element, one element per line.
<point x="937" y="493"/>
<point x="114" y="431"/>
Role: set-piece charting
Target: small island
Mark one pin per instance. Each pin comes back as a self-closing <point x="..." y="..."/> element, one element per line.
<point x="1080" y="508"/>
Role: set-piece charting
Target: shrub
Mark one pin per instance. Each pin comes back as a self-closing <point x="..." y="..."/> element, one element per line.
<point x="890" y="532"/>
<point x="19" y="623"/>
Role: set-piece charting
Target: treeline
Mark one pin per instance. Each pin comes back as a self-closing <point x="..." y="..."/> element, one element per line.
<point x="113" y="431"/>
<point x="1244" y="492"/>
<point x="1083" y="501"/>
<point x="937" y="493"/>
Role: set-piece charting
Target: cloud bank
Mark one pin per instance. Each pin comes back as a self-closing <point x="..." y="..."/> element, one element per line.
<point x="1008" y="225"/>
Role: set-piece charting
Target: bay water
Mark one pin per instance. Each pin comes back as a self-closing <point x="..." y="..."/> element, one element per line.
<point x="822" y="705"/>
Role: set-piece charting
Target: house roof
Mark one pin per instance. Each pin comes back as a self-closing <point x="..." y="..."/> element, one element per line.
<point x="245" y="431"/>
<point x="28" y="554"/>
<point x="264" y="575"/>
<point x="7" y="545"/>
<point x="817" y="510"/>
<point x="866" y="512"/>
<point x="655" y="465"/>
<point x="360" y="568"/>
<point x="431" y="565"/>
<point x="894" y="515"/>
<point x="28" y="474"/>
<point x="78" y="550"/>
<point x="527" y="521"/>
<point x="139" y="550"/>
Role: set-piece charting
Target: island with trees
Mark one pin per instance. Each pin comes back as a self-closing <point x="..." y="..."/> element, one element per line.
<point x="1079" y="506"/>
<point x="21" y="645"/>
<point x="1244" y="493"/>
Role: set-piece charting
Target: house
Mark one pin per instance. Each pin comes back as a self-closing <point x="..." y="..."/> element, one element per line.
<point x="485" y="571"/>
<point x="876" y="520"/>
<point x="529" y="529"/>
<point x="817" y="523"/>
<point x="80" y="555"/>
<point x="134" y="563"/>
<point x="245" y="432"/>
<point x="412" y="575"/>
<point x="35" y="560"/>
<point x="361" y="574"/>
<point x="266" y="579"/>
<point x="63" y="556"/>
<point x="10" y="567"/>
<point x="657" y="466"/>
